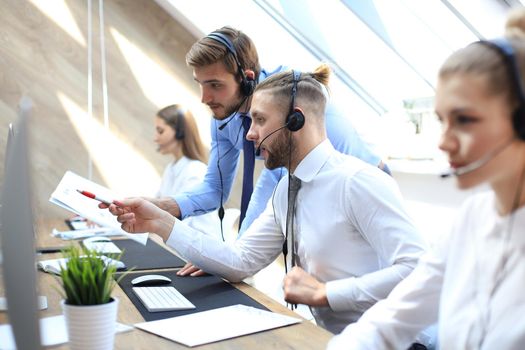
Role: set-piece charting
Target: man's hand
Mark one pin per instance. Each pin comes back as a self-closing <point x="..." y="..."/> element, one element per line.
<point x="190" y="269"/>
<point x="138" y="215"/>
<point x="302" y="288"/>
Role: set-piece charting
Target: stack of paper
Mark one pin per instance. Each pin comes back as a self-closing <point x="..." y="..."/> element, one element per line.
<point x="67" y="197"/>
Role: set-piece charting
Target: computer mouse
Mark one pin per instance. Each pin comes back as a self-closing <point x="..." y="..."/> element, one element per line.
<point x="150" y="280"/>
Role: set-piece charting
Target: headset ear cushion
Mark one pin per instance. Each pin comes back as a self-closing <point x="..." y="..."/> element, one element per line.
<point x="295" y="121"/>
<point x="179" y="126"/>
<point x="247" y="87"/>
<point x="518" y="119"/>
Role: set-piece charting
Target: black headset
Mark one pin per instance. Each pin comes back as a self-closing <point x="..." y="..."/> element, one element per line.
<point x="295" y="119"/>
<point x="247" y="85"/>
<point x="179" y="127"/>
<point x="504" y="47"/>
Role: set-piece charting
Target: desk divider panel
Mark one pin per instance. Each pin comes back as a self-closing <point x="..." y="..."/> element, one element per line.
<point x="205" y="292"/>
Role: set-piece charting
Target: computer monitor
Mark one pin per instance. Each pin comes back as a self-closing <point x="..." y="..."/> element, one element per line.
<point x="17" y="236"/>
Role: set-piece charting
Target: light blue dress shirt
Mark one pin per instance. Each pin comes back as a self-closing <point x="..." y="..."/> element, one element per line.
<point x="226" y="146"/>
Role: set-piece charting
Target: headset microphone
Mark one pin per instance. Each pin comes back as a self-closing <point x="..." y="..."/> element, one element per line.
<point x="258" y="149"/>
<point x="223" y="125"/>
<point x="477" y="163"/>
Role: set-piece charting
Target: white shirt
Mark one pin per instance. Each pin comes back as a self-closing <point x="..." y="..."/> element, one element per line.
<point x="454" y="282"/>
<point x="352" y="233"/>
<point x="180" y="176"/>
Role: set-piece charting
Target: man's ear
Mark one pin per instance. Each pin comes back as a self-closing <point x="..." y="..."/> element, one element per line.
<point x="250" y="74"/>
<point x="298" y="109"/>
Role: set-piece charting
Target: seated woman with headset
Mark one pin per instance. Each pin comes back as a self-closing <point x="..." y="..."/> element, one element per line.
<point x="176" y="134"/>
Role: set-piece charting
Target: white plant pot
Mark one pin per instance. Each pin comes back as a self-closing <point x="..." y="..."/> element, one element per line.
<point x="91" y="327"/>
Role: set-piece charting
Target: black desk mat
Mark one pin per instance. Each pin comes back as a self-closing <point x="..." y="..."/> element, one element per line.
<point x="205" y="292"/>
<point x="147" y="257"/>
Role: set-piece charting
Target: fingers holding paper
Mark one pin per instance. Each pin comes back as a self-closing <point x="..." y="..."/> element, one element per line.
<point x="138" y="215"/>
<point x="302" y="288"/>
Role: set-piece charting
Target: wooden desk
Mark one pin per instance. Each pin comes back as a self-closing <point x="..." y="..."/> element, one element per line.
<point x="305" y="335"/>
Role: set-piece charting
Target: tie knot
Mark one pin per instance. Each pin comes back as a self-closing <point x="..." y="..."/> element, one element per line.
<point x="295" y="183"/>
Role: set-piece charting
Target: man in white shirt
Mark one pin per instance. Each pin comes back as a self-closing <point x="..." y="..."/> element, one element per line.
<point x="352" y="241"/>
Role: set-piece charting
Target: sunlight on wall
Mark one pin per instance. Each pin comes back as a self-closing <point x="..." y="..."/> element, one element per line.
<point x="123" y="168"/>
<point x="58" y="12"/>
<point x="159" y="85"/>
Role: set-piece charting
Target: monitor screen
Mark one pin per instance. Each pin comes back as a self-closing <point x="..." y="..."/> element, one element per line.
<point x="17" y="236"/>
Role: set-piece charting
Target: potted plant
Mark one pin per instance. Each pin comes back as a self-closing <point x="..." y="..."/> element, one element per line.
<point x="91" y="313"/>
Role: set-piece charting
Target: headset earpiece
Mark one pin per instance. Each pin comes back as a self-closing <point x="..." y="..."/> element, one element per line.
<point x="179" y="135"/>
<point x="247" y="85"/>
<point x="295" y="121"/>
<point x="179" y="127"/>
<point x="518" y="120"/>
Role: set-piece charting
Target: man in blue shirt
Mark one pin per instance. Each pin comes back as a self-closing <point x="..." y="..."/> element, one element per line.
<point x="225" y="65"/>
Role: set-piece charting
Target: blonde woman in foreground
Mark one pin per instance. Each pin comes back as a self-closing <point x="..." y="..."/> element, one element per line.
<point x="471" y="284"/>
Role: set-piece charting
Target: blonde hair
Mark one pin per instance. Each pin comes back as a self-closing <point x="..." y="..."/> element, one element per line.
<point x="483" y="60"/>
<point x="309" y="89"/>
<point x="182" y="122"/>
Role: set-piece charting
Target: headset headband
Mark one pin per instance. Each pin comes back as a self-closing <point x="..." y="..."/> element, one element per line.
<point x="504" y="47"/>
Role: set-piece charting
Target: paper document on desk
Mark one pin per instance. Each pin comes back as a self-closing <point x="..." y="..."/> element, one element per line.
<point x="53" y="331"/>
<point x="217" y="324"/>
<point x="54" y="265"/>
<point x="89" y="232"/>
<point x="67" y="197"/>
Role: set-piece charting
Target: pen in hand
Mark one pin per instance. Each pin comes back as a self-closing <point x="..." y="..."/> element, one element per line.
<point x="98" y="198"/>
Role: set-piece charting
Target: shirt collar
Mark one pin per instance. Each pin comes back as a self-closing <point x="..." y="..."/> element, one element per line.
<point x="310" y="166"/>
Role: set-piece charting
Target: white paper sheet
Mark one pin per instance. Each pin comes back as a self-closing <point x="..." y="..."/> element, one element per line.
<point x="54" y="265"/>
<point x="102" y="245"/>
<point x="218" y="324"/>
<point x="53" y="331"/>
<point x="67" y="197"/>
<point x="85" y="233"/>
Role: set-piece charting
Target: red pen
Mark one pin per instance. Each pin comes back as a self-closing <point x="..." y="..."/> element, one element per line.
<point x="93" y="196"/>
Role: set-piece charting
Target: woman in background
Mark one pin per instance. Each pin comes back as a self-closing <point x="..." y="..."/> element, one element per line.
<point x="177" y="135"/>
<point x="471" y="283"/>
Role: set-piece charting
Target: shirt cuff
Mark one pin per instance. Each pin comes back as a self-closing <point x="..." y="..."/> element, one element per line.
<point x="178" y="240"/>
<point x="184" y="205"/>
<point x="340" y="294"/>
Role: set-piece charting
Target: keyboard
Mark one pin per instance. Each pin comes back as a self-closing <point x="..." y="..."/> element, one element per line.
<point x="157" y="299"/>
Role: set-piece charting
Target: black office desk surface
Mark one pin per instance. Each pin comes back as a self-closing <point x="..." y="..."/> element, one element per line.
<point x="205" y="292"/>
<point x="147" y="257"/>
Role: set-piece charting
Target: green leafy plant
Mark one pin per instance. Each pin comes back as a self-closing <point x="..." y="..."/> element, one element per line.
<point x="86" y="279"/>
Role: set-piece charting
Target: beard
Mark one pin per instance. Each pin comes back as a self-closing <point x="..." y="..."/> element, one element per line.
<point x="232" y="108"/>
<point x="282" y="148"/>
